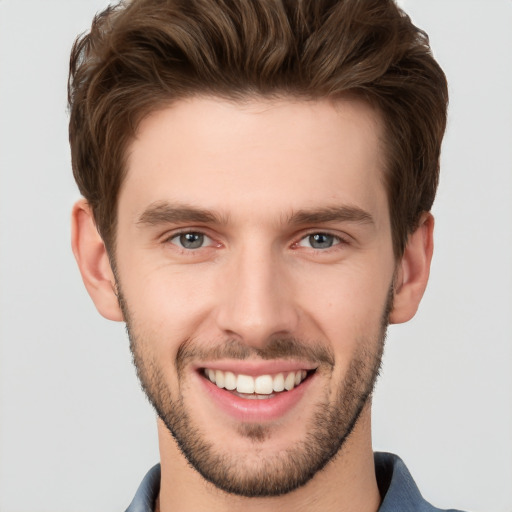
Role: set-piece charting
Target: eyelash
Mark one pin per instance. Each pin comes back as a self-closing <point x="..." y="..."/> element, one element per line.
<point x="190" y="232"/>
<point x="337" y="241"/>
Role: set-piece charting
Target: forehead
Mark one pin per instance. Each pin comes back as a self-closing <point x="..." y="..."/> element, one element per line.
<point x="273" y="156"/>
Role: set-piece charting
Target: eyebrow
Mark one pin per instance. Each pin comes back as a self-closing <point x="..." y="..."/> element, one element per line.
<point x="163" y="212"/>
<point x="331" y="214"/>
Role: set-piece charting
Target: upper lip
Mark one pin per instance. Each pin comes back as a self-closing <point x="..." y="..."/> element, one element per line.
<point x="255" y="368"/>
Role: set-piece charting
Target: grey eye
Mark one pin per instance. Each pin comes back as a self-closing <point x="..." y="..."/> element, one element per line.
<point x="190" y="240"/>
<point x="319" y="241"/>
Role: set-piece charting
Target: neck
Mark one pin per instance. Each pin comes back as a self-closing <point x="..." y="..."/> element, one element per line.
<point x="346" y="484"/>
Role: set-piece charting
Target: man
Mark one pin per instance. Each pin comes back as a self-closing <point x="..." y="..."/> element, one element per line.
<point x="257" y="181"/>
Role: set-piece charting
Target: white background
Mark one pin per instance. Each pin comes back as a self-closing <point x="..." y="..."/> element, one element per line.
<point x="76" y="433"/>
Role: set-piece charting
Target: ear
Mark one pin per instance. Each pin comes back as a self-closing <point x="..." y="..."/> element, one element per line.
<point x="413" y="271"/>
<point x="92" y="258"/>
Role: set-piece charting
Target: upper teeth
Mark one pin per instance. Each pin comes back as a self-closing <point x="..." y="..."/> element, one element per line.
<point x="262" y="384"/>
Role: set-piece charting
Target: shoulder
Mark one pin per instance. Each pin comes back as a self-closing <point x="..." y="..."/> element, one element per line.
<point x="397" y="487"/>
<point x="145" y="497"/>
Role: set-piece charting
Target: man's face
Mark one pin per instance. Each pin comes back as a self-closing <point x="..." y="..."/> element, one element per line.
<point x="254" y="268"/>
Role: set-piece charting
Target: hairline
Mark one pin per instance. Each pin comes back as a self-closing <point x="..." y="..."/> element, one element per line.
<point x="244" y="97"/>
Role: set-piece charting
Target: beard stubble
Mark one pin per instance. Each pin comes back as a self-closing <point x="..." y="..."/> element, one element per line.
<point x="273" y="474"/>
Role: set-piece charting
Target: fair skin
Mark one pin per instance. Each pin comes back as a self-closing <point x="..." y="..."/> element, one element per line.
<point x="289" y="237"/>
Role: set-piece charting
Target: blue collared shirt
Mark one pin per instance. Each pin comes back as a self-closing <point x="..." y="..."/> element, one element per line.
<point x="396" y="486"/>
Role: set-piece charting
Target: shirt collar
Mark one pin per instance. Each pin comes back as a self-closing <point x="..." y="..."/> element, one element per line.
<point x="396" y="485"/>
<point x="147" y="493"/>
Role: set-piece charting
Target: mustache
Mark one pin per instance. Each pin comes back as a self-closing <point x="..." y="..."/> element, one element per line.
<point x="276" y="348"/>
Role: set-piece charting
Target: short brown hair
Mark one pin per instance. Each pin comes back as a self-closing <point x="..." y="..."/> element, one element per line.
<point x="144" y="54"/>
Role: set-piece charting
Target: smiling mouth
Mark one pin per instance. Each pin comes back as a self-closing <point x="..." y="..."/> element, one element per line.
<point x="258" y="387"/>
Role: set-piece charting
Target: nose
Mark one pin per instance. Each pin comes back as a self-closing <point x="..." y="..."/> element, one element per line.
<point x="256" y="299"/>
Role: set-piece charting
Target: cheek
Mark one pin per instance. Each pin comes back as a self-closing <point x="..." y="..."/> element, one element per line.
<point x="349" y="299"/>
<point x="347" y="311"/>
<point x="166" y="303"/>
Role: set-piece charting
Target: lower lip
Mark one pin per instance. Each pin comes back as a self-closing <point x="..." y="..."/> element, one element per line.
<point x="256" y="410"/>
